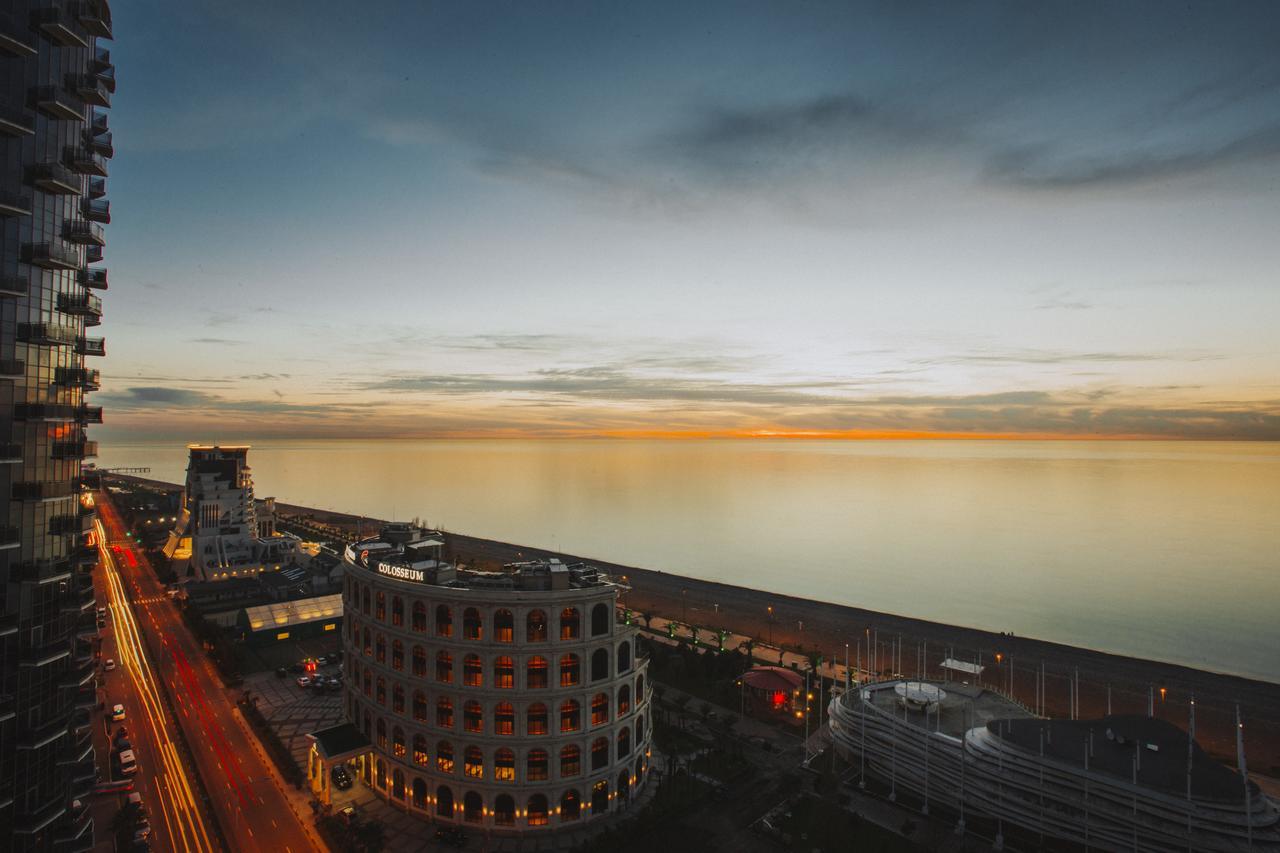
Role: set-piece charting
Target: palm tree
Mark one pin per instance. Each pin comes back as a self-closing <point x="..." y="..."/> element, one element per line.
<point x="721" y="635"/>
<point x="693" y="630"/>
<point x="648" y="620"/>
<point x="749" y="646"/>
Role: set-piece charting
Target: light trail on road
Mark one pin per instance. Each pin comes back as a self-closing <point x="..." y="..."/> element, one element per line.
<point x="177" y="800"/>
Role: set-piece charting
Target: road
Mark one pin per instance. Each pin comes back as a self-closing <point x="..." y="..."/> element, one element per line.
<point x="251" y="805"/>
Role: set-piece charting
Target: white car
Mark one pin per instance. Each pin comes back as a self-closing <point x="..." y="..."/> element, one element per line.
<point x="128" y="764"/>
<point x="304" y="681"/>
<point x="117" y="713"/>
<point x="109" y="664"/>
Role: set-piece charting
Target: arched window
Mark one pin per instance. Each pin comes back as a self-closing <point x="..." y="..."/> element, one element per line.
<point x="536" y="627"/>
<point x="599" y="619"/>
<point x="504" y="719"/>
<point x="624" y="742"/>
<point x="444" y="799"/>
<point x="570" y="670"/>
<point x="380" y="649"/>
<point x="397" y="698"/>
<point x="537" y="810"/>
<point x="444" y="667"/>
<point x="570" y="761"/>
<point x="472" y="671"/>
<point x="536" y="718"/>
<point x="444" y="756"/>
<point x="599" y="664"/>
<point x="504" y="672"/>
<point x="624" y="700"/>
<point x="444" y="712"/>
<point x="419" y="793"/>
<point x="599" y="709"/>
<point x="420" y="756"/>
<point x="535" y="768"/>
<point x="640" y="728"/>
<point x="472" y="625"/>
<point x="570" y="716"/>
<point x="504" y="626"/>
<point x="367" y="724"/>
<point x="381" y="776"/>
<point x="473" y="807"/>
<point x="504" y="765"/>
<point x="570" y="624"/>
<point x="599" y="753"/>
<point x="624" y="656"/>
<point x="600" y="797"/>
<point x="368" y="642"/>
<point x="639" y="688"/>
<point x="380" y="607"/>
<point x="397" y="742"/>
<point x="473" y="762"/>
<point x="397" y="611"/>
<point x="504" y="810"/>
<point x="364" y="601"/>
<point x="382" y="734"/>
<point x="420" y="706"/>
<point x="570" y="806"/>
<point x="536" y="673"/>
<point x="444" y="621"/>
<point x="397" y="656"/>
<point x="382" y="690"/>
<point x="419" y="616"/>
<point x="473" y="717"/>
<point x="420" y="661"/>
<point x="368" y="682"/>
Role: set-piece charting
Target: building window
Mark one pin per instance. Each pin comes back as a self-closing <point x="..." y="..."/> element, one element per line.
<point x="420" y="756"/>
<point x="570" y="624"/>
<point x="535" y="767"/>
<point x="380" y="649"/>
<point x="444" y="712"/>
<point x="380" y="607"/>
<point x="444" y="621"/>
<point x="397" y="656"/>
<point x="397" y="742"/>
<point x="599" y="619"/>
<point x="537" y="815"/>
<point x="382" y="734"/>
<point x="420" y="661"/>
<point x="283" y="635"/>
<point x="364" y="600"/>
<point x="368" y="642"/>
<point x="599" y="664"/>
<point x="368" y="683"/>
<point x="473" y="717"/>
<point x="504" y="672"/>
<point x="382" y="691"/>
<point x="624" y="742"/>
<point x="536" y="673"/>
<point x="536" y="627"/>
<point x="504" y="719"/>
<point x="419" y="616"/>
<point x="570" y="670"/>
<point x="397" y="698"/>
<point x="473" y="807"/>
<point x="624" y="656"/>
<point x="473" y="763"/>
<point x="600" y="753"/>
<point x="570" y="761"/>
<point x="504" y="810"/>
<point x="419" y="706"/>
<point x="624" y="700"/>
<point x="444" y="798"/>
<point x="504" y="625"/>
<point x="536" y="718"/>
<point x="599" y="709"/>
<point x="472" y="625"/>
<point x="570" y="716"/>
<point x="570" y="806"/>
<point x="472" y="671"/>
<point x="444" y="667"/>
<point x="397" y="611"/>
<point x="504" y="765"/>
<point x="444" y="757"/>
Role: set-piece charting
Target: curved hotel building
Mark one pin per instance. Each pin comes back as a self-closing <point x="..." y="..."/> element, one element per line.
<point x="509" y="700"/>
<point x="1121" y="782"/>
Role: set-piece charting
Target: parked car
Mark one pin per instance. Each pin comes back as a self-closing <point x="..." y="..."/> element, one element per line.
<point x="304" y="681"/>
<point x="128" y="763"/>
<point x="133" y="802"/>
<point x="322" y="661"/>
<point x="121" y="744"/>
<point x="117" y="712"/>
<point x="109" y="664"/>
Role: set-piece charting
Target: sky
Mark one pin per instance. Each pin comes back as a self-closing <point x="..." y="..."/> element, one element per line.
<point x="375" y="220"/>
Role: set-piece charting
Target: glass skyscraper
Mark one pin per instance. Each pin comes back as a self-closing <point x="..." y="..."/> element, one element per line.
<point x="55" y="82"/>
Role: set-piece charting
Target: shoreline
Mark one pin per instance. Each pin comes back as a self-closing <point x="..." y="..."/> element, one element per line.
<point x="1127" y="681"/>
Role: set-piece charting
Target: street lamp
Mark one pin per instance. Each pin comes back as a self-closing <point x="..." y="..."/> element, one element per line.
<point x="771" y="624"/>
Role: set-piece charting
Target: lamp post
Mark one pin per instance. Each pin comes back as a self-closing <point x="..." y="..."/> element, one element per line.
<point x="684" y="610"/>
<point x="771" y="624"/>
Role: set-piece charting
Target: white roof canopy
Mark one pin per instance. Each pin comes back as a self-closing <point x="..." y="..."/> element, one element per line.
<point x="962" y="666"/>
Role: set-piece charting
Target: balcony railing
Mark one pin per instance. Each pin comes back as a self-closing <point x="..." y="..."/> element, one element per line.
<point x="56" y="102"/>
<point x="47" y="334"/>
<point x="56" y="178"/>
<point x="81" y="304"/>
<point x="93" y="279"/>
<point x="102" y="67"/>
<point x="95" y="16"/>
<point x="86" y="162"/>
<point x="60" y="525"/>
<point x="10" y="453"/>
<point x="12" y="368"/>
<point x="84" y="233"/>
<point x="77" y="377"/>
<point x="14" y="123"/>
<point x="11" y="285"/>
<point x="58" y="27"/>
<point x="90" y="89"/>
<point x="96" y="210"/>
<point x="100" y="143"/>
<point x="14" y="45"/>
<point x="9" y="537"/>
<point x="89" y="415"/>
<point x="93" y="255"/>
<point x="12" y="204"/>
<point x="44" y="412"/>
<point x="52" y="256"/>
<point x="44" y="490"/>
<point x="91" y="346"/>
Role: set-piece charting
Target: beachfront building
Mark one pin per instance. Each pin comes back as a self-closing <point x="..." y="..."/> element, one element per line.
<point x="219" y="534"/>
<point x="55" y="83"/>
<point x="1121" y="782"/>
<point x="512" y="701"/>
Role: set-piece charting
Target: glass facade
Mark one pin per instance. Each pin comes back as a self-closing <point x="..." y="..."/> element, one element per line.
<point x="55" y="83"/>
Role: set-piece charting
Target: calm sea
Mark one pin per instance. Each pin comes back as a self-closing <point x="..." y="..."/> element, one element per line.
<point x="1165" y="550"/>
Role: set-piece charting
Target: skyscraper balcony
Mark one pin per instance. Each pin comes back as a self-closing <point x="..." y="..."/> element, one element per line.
<point x="97" y="187"/>
<point x="44" y="412"/>
<point x="93" y="255"/>
<point x="12" y="285"/>
<point x="56" y="102"/>
<point x="47" y="334"/>
<point x="15" y="44"/>
<point x="95" y="16"/>
<point x="102" y="66"/>
<point x="10" y="537"/>
<point x="86" y="162"/>
<point x="80" y="305"/>
<point x="94" y="279"/>
<point x="77" y="377"/>
<point x="10" y="454"/>
<point x="84" y="233"/>
<point x="13" y="204"/>
<point x="100" y="143"/>
<point x="52" y="256"/>
<point x="61" y="525"/>
<point x="14" y="123"/>
<point x="90" y="89"/>
<point x="89" y="415"/>
<point x="81" y="449"/>
<point x="56" y="178"/>
<point x="96" y="210"/>
<point x="91" y="346"/>
<point x="44" y="490"/>
<point x="58" y="26"/>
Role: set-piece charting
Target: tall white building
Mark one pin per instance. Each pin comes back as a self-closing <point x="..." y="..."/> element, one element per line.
<point x="218" y="533"/>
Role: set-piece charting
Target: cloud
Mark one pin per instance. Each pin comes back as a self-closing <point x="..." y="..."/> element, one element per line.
<point x="160" y="398"/>
<point x="216" y="341"/>
<point x="1033" y="356"/>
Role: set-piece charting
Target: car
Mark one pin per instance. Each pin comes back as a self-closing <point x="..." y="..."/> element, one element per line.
<point x="109" y="664"/>
<point x="122" y="732"/>
<point x="102" y="613"/>
<point x="335" y="684"/>
<point x="304" y="681"/>
<point x="319" y="681"/>
<point x="322" y="661"/>
<point x="121" y="744"/>
<point x="133" y="802"/>
<point x="142" y="833"/>
<point x="452" y="836"/>
<point x="128" y="763"/>
<point x="117" y="712"/>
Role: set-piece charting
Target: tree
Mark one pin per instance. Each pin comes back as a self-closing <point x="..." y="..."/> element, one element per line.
<point x="749" y="646"/>
<point x="721" y="636"/>
<point x="648" y="620"/>
<point x="693" y="632"/>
